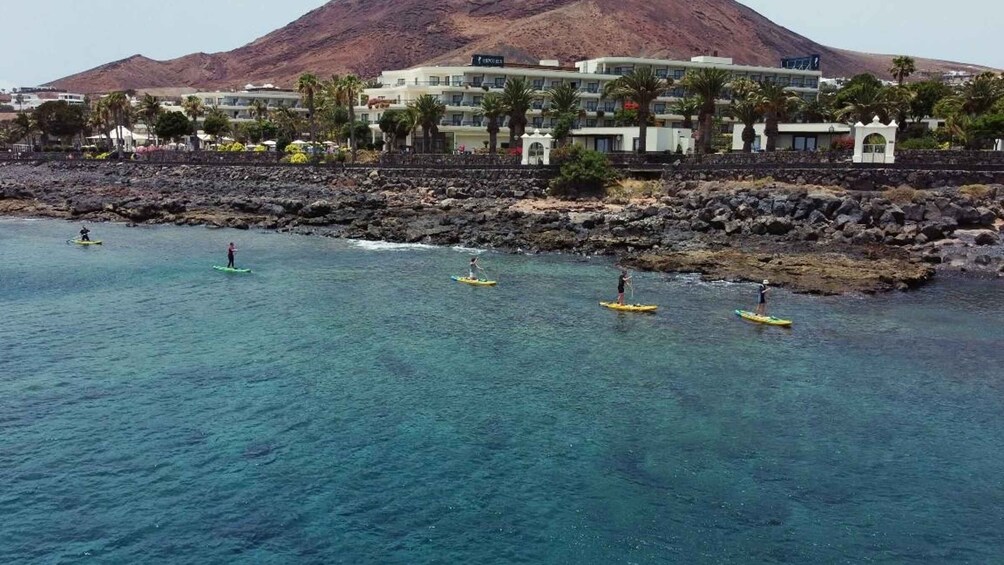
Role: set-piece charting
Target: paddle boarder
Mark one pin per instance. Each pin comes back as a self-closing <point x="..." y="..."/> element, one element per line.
<point x="761" y="305"/>
<point x="622" y="281"/>
<point x="474" y="268"/>
<point x="83" y="234"/>
<point x="230" y="255"/>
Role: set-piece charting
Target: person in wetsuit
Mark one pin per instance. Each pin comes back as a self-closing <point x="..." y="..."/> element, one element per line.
<point x="622" y="281"/>
<point x="230" y="255"/>
<point x="761" y="304"/>
<point x="83" y="234"/>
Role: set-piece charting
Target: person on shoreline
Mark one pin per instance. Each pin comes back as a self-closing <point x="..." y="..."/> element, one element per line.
<point x="231" y="249"/>
<point x="474" y="269"/>
<point x="623" y="280"/>
<point x="761" y="306"/>
<point x="83" y="233"/>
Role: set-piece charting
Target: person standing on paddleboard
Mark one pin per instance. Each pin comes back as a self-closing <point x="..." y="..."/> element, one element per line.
<point x="230" y="255"/>
<point x="83" y="233"/>
<point x="761" y="305"/>
<point x="622" y="281"/>
<point x="474" y="268"/>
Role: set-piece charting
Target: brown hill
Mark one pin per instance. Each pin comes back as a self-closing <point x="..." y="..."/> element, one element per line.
<point x="368" y="36"/>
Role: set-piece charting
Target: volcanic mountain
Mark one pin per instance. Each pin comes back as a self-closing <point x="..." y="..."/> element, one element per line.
<point x="368" y="36"/>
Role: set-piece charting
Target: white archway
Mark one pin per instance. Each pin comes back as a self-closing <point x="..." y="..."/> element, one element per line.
<point x="536" y="148"/>
<point x="875" y="142"/>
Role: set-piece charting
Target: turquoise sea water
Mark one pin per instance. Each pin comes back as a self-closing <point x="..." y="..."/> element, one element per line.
<point x="348" y="403"/>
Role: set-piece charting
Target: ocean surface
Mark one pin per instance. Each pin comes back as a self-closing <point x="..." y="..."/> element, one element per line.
<point x="348" y="403"/>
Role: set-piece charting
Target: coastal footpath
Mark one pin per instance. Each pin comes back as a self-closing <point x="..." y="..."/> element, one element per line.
<point x="824" y="239"/>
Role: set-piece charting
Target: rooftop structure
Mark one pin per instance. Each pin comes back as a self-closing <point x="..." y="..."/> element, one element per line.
<point x="28" y="98"/>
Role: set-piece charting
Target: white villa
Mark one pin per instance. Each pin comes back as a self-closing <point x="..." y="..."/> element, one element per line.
<point x="793" y="137"/>
<point x="461" y="89"/>
<point x="28" y="99"/>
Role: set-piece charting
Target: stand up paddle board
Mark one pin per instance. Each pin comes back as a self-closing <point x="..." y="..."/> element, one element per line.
<point x="766" y="320"/>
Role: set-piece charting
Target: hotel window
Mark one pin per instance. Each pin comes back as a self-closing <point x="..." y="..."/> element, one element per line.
<point x="797" y="82"/>
<point x="476" y="81"/>
<point x="538" y="84"/>
<point x="555" y="83"/>
<point x="591" y="105"/>
<point x="433" y="81"/>
<point x="679" y="92"/>
<point x="477" y="100"/>
<point x="538" y="122"/>
<point x="755" y="78"/>
<point x="660" y="108"/>
<point x="784" y="81"/>
<point x="457" y="80"/>
<point x="593" y="87"/>
<point x="662" y="73"/>
<point x="499" y="82"/>
<point x="364" y="118"/>
<point x="811" y="82"/>
<point x="458" y="119"/>
<point x="591" y="123"/>
<point x="678" y="74"/>
<point x="458" y="99"/>
<point x="400" y="82"/>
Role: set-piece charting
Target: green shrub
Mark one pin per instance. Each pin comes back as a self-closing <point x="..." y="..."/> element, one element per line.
<point x="927" y="142"/>
<point x="299" y="159"/>
<point x="583" y="173"/>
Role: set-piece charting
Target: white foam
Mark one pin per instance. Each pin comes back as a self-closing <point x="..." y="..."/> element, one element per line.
<point x="472" y="250"/>
<point x="388" y="246"/>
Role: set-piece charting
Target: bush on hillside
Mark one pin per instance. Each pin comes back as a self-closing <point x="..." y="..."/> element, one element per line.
<point x="928" y="142"/>
<point x="583" y="173"/>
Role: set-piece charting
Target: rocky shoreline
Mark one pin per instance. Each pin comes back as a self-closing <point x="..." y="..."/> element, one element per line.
<point x="825" y="240"/>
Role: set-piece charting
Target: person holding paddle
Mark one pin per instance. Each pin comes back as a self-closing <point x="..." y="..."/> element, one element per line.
<point x="231" y="249"/>
<point x="761" y="305"/>
<point x="475" y="268"/>
<point x="623" y="280"/>
<point x="84" y="234"/>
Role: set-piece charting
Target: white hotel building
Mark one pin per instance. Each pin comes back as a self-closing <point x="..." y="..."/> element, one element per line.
<point x="237" y="104"/>
<point x="461" y="89"/>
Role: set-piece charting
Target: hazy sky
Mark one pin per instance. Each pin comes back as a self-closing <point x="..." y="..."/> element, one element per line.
<point x="48" y="39"/>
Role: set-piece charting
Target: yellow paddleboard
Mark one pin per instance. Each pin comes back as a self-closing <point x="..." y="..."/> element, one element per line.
<point x="629" y="307"/>
<point x="766" y="320"/>
<point x="475" y="282"/>
<point x="79" y="242"/>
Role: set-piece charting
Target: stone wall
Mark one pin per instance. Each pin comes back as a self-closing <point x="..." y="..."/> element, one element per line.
<point x="848" y="177"/>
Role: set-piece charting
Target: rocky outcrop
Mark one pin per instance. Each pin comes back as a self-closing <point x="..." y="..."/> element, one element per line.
<point x="947" y="229"/>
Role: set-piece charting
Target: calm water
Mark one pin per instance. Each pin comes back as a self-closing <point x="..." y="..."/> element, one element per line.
<point x="348" y="403"/>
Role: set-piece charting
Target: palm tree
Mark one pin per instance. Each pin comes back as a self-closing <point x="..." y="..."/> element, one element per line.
<point x="493" y="109"/>
<point x="707" y="85"/>
<point x="749" y="112"/>
<point x="27" y="127"/>
<point x="817" y="110"/>
<point x="348" y="88"/>
<point x="308" y="86"/>
<point x="194" y="110"/>
<point x="980" y="95"/>
<point x="777" y="103"/>
<point x="119" y="106"/>
<point x="150" y="110"/>
<point x="409" y="121"/>
<point x="100" y="120"/>
<point x="564" y="105"/>
<point x="687" y="107"/>
<point x="428" y="112"/>
<point x="869" y="102"/>
<point x="642" y="86"/>
<point x="19" y="100"/>
<point x="902" y="68"/>
<point x="258" y="110"/>
<point x="518" y="97"/>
